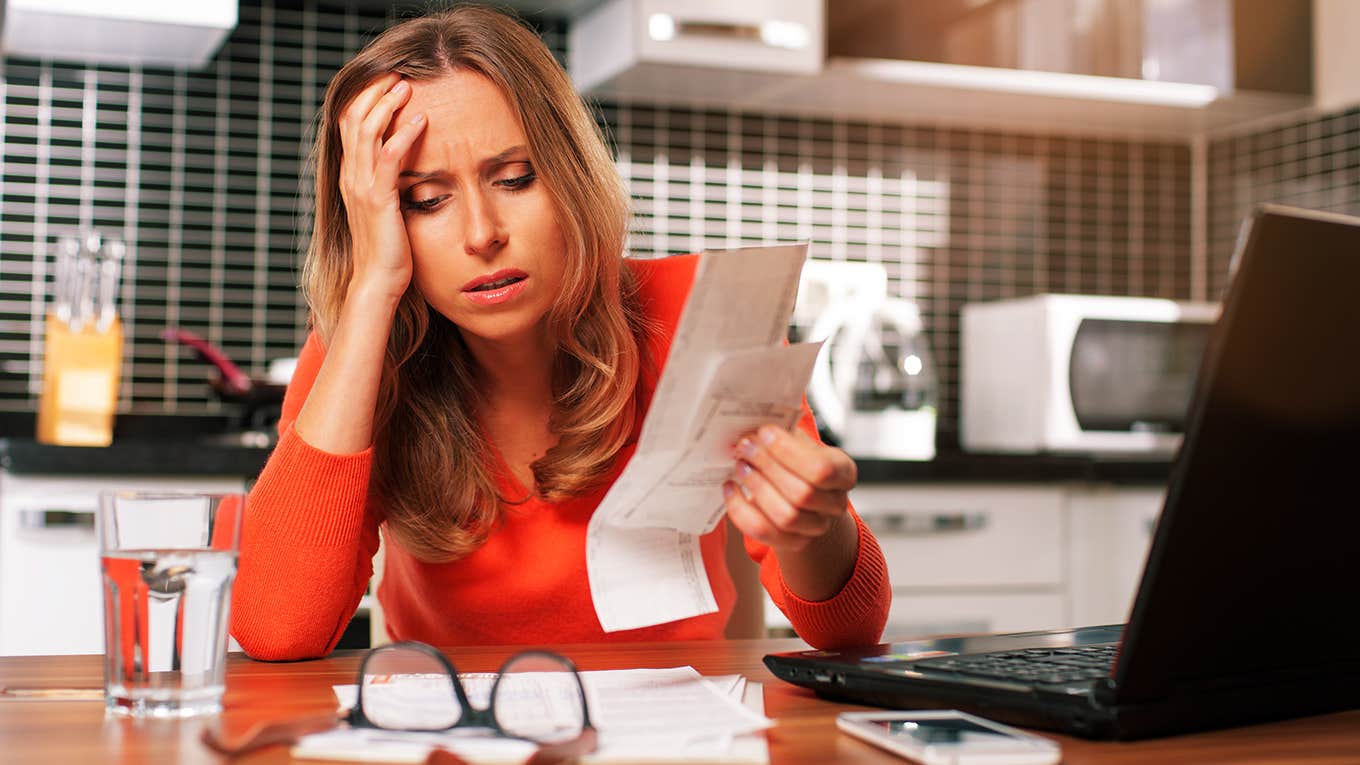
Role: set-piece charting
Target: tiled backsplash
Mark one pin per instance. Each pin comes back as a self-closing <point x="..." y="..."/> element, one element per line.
<point x="1311" y="162"/>
<point x="200" y="172"/>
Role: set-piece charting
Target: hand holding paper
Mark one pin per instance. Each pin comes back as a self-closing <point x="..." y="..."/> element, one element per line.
<point x="728" y="373"/>
<point x="789" y="488"/>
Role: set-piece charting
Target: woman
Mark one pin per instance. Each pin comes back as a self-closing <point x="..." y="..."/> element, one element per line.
<point x="478" y="371"/>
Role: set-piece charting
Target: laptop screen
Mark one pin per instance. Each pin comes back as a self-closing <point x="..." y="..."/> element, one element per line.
<point x="1254" y="572"/>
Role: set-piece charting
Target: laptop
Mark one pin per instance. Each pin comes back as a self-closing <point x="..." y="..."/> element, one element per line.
<point x="1249" y="605"/>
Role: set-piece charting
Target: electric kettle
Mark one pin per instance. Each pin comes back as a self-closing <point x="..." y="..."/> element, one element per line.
<point x="873" y="386"/>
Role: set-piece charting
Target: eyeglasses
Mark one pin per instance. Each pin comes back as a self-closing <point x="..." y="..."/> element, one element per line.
<point x="410" y="686"/>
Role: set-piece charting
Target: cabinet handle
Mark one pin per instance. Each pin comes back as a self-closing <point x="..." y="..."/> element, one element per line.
<point x="720" y="29"/>
<point x="54" y="518"/>
<point x="791" y="35"/>
<point x="921" y="524"/>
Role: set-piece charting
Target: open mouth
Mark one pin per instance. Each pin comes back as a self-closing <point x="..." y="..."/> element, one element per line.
<point x="497" y="284"/>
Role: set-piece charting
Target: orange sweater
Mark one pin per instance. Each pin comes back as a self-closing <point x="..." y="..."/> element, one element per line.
<point x="310" y="532"/>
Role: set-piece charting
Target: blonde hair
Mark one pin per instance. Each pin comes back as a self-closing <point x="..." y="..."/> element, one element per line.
<point x="434" y="469"/>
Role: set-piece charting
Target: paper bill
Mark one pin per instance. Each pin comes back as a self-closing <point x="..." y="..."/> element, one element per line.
<point x="728" y="373"/>
<point x="642" y="715"/>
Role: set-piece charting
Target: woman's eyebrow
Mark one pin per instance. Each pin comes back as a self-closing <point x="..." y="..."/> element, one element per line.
<point x="512" y="154"/>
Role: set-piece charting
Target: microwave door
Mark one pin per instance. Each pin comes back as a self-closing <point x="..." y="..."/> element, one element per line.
<point x="1134" y="376"/>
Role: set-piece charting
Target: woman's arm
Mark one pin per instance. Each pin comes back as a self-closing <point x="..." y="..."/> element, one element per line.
<point x="308" y="539"/>
<point x="790" y="497"/>
<point x="309" y="535"/>
<point x="381" y="259"/>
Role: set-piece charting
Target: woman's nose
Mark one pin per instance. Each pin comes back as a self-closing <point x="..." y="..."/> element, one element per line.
<point x="483" y="234"/>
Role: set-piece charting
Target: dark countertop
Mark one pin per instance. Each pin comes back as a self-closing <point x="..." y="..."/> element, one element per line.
<point x="963" y="467"/>
<point x="199" y="445"/>
<point x="142" y="445"/>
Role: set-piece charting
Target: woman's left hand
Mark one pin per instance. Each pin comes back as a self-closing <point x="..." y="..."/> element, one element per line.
<point x="788" y="489"/>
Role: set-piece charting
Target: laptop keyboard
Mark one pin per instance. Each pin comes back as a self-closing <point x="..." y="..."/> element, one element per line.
<point x="1043" y="666"/>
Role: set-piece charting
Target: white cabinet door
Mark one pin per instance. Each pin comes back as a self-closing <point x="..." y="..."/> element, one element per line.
<point x="51" y="595"/>
<point x="915" y="615"/>
<point x="968" y="557"/>
<point x="967" y="536"/>
<point x="148" y="32"/>
<point x="1111" y="533"/>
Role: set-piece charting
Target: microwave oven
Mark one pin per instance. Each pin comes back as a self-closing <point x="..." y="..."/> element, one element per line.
<point x="1079" y="374"/>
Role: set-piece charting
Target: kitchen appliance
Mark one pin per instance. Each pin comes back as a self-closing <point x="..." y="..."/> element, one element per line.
<point x="1079" y="374"/>
<point x="632" y="46"/>
<point x="873" y="386"/>
<point x="147" y="33"/>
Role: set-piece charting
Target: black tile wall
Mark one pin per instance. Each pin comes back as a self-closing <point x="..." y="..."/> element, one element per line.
<point x="1312" y="162"/>
<point x="200" y="172"/>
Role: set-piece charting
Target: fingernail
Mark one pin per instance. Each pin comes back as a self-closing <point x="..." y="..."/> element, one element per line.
<point x="400" y="87"/>
<point x="768" y="434"/>
<point x="728" y="489"/>
<point x="419" y="118"/>
<point x="743" y="469"/>
<point x="746" y="448"/>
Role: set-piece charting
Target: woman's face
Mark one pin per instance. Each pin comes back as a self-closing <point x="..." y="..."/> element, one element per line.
<point x="486" y="248"/>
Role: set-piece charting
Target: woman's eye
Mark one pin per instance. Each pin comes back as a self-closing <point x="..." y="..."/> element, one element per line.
<point x="518" y="182"/>
<point x="422" y="205"/>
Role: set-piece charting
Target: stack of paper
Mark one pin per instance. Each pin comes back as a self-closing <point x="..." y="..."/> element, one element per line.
<point x="727" y="374"/>
<point x="643" y="715"/>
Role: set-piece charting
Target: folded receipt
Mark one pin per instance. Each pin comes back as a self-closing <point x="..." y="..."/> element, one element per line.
<point x="728" y="373"/>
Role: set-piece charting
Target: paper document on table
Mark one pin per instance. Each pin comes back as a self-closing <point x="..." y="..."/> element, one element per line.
<point x="642" y="715"/>
<point x="728" y="373"/>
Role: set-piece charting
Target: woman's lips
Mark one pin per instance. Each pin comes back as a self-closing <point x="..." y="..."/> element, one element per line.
<point x="505" y="274"/>
<point x="497" y="295"/>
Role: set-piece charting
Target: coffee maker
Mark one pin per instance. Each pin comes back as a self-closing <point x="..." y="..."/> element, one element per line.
<point x="873" y="387"/>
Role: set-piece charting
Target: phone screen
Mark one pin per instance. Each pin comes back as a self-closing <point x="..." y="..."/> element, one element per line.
<point x="942" y="731"/>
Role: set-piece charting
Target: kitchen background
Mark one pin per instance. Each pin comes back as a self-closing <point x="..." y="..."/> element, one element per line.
<point x="204" y="173"/>
<point x="199" y="171"/>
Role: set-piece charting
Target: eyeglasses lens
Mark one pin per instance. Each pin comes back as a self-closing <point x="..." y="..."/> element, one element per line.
<point x="423" y="699"/>
<point x="539" y="697"/>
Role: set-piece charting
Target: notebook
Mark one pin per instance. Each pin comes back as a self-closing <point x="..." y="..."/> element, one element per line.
<point x="1249" y="604"/>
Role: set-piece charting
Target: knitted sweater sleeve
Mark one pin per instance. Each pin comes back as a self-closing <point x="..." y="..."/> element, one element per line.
<point x="853" y="617"/>
<point x="308" y="539"/>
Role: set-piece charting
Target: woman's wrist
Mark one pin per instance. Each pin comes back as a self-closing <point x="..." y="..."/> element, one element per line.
<point x="372" y="298"/>
<point x="821" y="569"/>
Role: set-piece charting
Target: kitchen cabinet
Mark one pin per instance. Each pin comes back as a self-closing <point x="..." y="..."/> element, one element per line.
<point x="149" y="32"/>
<point x="972" y="557"/>
<point x="51" y="596"/>
<point x="616" y="51"/>
<point x="967" y="557"/>
<point x="1336" y="57"/>
<point x="1111" y="531"/>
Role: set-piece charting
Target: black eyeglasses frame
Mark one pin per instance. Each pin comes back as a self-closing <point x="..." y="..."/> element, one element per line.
<point x="471" y="716"/>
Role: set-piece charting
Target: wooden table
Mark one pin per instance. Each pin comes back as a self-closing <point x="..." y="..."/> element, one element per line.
<point x="77" y="731"/>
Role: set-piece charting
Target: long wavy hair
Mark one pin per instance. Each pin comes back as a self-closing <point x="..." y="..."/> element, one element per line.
<point x="434" y="470"/>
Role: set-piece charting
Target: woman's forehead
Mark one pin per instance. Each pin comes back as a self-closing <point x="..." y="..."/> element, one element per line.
<point x="467" y="114"/>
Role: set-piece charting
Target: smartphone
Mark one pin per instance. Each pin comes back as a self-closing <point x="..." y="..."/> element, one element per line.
<point x="949" y="737"/>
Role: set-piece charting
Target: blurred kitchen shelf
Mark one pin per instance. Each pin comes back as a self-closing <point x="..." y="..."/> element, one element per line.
<point x="974" y="97"/>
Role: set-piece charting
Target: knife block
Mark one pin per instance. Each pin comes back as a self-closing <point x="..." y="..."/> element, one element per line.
<point x="80" y="384"/>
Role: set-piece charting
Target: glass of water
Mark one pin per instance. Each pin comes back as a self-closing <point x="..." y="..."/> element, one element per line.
<point x="168" y="561"/>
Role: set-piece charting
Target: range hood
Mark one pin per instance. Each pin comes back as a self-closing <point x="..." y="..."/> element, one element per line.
<point x="887" y="63"/>
<point x="172" y="33"/>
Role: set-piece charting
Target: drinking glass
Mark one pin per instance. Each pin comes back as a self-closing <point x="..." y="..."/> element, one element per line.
<point x="168" y="562"/>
